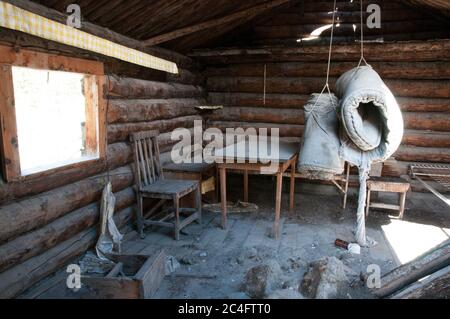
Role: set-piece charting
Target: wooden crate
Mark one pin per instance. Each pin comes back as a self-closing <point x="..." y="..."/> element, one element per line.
<point x="143" y="276"/>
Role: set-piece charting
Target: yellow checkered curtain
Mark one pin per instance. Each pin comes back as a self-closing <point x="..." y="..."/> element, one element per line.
<point x="15" y="18"/>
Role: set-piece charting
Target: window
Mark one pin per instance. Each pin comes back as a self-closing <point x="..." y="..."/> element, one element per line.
<point x="52" y="112"/>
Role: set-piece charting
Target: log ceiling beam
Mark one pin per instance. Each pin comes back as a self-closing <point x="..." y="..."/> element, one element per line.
<point x="442" y="6"/>
<point x="437" y="9"/>
<point x="245" y="15"/>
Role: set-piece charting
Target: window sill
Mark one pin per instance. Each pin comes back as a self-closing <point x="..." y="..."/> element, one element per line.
<point x="43" y="169"/>
<point x="61" y="169"/>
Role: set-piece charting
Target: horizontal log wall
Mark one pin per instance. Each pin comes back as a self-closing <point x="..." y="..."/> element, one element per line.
<point x="418" y="73"/>
<point x="48" y="222"/>
<point x="424" y="99"/>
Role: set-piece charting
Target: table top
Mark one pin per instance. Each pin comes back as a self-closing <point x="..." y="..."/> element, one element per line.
<point x="246" y="151"/>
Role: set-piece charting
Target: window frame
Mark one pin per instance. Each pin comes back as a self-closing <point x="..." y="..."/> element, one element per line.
<point x="8" y="123"/>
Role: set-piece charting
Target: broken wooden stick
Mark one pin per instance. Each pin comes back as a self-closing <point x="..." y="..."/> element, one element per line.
<point x="195" y="276"/>
<point x="432" y="287"/>
<point x="409" y="273"/>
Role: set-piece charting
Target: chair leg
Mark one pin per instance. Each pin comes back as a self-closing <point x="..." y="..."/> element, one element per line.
<point x="176" y="205"/>
<point x="292" y="189"/>
<point x="140" y="216"/>
<point x="199" y="205"/>
<point x="344" y="200"/>
<point x="279" y="193"/>
<point x="368" y="203"/>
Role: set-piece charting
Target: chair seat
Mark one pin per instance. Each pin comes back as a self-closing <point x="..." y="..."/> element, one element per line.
<point x="170" y="187"/>
<point x="188" y="167"/>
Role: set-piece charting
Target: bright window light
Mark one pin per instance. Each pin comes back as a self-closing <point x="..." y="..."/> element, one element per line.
<point x="51" y="111"/>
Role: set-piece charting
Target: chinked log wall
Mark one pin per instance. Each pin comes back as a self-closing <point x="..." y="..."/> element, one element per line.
<point x="417" y="73"/>
<point x="47" y="223"/>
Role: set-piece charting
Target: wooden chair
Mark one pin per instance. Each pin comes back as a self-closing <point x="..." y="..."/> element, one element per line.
<point x="151" y="184"/>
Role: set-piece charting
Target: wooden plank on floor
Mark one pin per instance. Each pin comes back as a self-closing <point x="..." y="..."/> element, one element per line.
<point x="44" y="286"/>
<point x="260" y="234"/>
<point x="289" y="236"/>
<point x="133" y="247"/>
<point x="238" y="234"/>
<point x="161" y="236"/>
<point x="132" y="235"/>
<point x="214" y="236"/>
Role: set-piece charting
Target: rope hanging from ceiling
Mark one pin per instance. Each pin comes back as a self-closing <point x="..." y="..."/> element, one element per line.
<point x="362" y="36"/>
<point x="327" y="82"/>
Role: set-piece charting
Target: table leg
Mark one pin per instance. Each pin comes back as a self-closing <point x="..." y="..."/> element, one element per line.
<point x="368" y="202"/>
<point x="402" y="204"/>
<point x="276" y="229"/>
<point x="292" y="188"/>
<point x="216" y="191"/>
<point x="246" y="186"/>
<point x="223" y="195"/>
<point x="347" y="177"/>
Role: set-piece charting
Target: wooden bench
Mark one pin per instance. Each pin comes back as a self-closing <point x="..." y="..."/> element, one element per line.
<point x="340" y="181"/>
<point x="386" y="185"/>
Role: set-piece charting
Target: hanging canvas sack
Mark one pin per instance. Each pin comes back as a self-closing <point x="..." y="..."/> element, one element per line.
<point x="319" y="153"/>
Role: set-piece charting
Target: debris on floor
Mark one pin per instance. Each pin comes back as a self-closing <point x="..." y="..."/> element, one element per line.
<point x="242" y="262"/>
<point x="285" y="294"/>
<point x="351" y="247"/>
<point x="247" y="254"/>
<point x="325" y="279"/>
<point x="172" y="265"/>
<point x="92" y="264"/>
<point x="260" y="280"/>
<point x="232" y="208"/>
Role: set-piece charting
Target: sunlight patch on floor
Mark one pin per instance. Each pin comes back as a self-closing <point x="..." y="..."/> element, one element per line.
<point x="410" y="240"/>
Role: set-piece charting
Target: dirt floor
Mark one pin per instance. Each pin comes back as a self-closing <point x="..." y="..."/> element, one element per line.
<point x="214" y="262"/>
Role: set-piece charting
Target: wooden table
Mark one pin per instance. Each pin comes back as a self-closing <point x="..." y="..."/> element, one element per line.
<point x="244" y="157"/>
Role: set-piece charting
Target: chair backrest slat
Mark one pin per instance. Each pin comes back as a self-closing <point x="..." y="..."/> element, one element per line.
<point x="142" y="164"/>
<point x="147" y="161"/>
<point x="158" y="165"/>
<point x="137" y="167"/>
<point x="150" y="147"/>
<point x="147" y="158"/>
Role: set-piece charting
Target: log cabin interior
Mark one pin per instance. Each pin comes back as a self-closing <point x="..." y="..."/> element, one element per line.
<point x="107" y="106"/>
